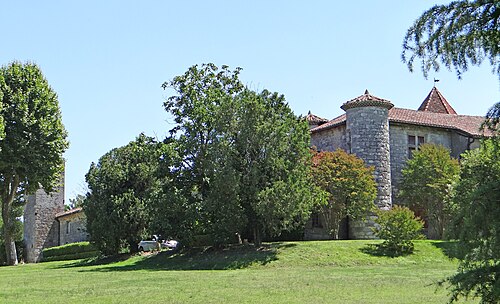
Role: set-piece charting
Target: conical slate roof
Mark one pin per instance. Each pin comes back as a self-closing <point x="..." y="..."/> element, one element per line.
<point x="367" y="100"/>
<point x="436" y="103"/>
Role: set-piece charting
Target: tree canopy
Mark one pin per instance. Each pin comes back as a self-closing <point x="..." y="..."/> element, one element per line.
<point x="477" y="224"/>
<point x="347" y="184"/>
<point x="459" y="34"/>
<point x="428" y="178"/>
<point x="121" y="184"/>
<point x="244" y="154"/>
<point x="31" y="150"/>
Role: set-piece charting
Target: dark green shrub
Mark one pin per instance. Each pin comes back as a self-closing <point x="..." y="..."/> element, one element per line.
<point x="72" y="256"/>
<point x="70" y="251"/>
<point x="398" y="228"/>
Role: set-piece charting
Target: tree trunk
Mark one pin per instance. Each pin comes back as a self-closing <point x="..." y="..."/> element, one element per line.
<point x="256" y="237"/>
<point x="10" y="246"/>
<point x="10" y="249"/>
<point x="9" y="191"/>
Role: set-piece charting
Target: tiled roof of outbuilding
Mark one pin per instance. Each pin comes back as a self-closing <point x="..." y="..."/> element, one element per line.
<point x="436" y="103"/>
<point x="68" y="212"/>
<point x="468" y="124"/>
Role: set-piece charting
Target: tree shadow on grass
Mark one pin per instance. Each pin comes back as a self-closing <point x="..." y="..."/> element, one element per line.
<point x="450" y="248"/>
<point x="379" y="250"/>
<point x="207" y="258"/>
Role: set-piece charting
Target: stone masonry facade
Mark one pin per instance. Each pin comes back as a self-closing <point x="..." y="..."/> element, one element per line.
<point x="41" y="230"/>
<point x="72" y="226"/>
<point x="384" y="137"/>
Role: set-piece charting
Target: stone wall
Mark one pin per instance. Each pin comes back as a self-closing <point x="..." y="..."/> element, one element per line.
<point x="330" y="140"/>
<point x="41" y="230"/>
<point x="72" y="228"/>
<point x="456" y="143"/>
<point x="460" y="143"/>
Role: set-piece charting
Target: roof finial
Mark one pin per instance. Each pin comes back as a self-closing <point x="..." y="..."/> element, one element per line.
<point x="435" y="80"/>
<point x="366" y="92"/>
<point x="309" y="113"/>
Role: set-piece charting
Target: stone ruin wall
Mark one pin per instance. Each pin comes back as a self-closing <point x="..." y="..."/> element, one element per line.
<point x="41" y="230"/>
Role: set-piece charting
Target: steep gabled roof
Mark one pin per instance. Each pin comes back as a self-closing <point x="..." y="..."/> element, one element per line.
<point x="436" y="103"/>
<point x="467" y="124"/>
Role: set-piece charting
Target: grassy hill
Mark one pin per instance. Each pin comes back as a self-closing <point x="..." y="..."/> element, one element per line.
<point x="288" y="272"/>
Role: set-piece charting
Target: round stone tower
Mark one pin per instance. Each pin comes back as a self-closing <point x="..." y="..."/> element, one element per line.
<point x="367" y="129"/>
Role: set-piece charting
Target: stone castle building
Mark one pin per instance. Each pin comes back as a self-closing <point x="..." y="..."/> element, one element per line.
<point x="384" y="136"/>
<point x="47" y="224"/>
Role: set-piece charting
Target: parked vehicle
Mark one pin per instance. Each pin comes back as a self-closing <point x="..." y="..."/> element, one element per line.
<point x="170" y="244"/>
<point x="147" y="245"/>
<point x="157" y="244"/>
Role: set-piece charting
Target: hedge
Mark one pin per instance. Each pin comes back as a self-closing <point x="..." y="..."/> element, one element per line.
<point x="71" y="251"/>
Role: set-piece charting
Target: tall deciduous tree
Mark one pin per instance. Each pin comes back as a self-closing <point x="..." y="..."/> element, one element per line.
<point x="244" y="154"/>
<point x="203" y="109"/>
<point x="478" y="224"/>
<point x="347" y="184"/>
<point x="427" y="182"/>
<point x="34" y="141"/>
<point x="120" y="188"/>
<point x="272" y="159"/>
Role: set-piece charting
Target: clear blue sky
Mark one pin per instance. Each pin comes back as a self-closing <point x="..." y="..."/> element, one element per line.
<point x="108" y="59"/>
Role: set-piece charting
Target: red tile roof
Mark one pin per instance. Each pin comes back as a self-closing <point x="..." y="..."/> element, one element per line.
<point x="468" y="124"/>
<point x="68" y="212"/>
<point x="337" y="121"/>
<point x="436" y="103"/>
<point x="315" y="120"/>
<point x="366" y="100"/>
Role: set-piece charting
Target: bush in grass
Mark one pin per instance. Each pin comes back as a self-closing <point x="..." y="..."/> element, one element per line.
<point x="398" y="228"/>
<point x="71" y="251"/>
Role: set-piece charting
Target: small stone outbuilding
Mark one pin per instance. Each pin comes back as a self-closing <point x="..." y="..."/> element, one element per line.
<point x="72" y="226"/>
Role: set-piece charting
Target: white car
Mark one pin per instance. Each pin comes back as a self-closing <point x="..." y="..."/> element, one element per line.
<point x="148" y="245"/>
<point x="170" y="244"/>
<point x="157" y="245"/>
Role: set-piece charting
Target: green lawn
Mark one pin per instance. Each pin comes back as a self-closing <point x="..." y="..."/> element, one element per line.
<point x="290" y="272"/>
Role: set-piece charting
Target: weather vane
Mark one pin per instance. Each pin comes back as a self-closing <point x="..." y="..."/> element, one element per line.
<point x="435" y="80"/>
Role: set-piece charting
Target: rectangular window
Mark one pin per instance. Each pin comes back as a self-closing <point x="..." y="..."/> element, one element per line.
<point x="413" y="143"/>
<point x="411" y="140"/>
<point x="420" y="140"/>
<point x="316" y="220"/>
<point x="68" y="227"/>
